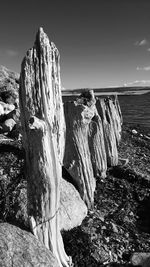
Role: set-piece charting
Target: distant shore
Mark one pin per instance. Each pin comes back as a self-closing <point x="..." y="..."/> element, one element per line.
<point x="109" y="91"/>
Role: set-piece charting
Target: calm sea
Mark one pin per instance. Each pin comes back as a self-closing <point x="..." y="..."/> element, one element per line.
<point x="135" y="109"/>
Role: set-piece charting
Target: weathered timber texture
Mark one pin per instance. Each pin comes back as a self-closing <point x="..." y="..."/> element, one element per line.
<point x="77" y="158"/>
<point x="43" y="125"/>
<point x="111" y="127"/>
<point x="84" y="153"/>
<point x="21" y="248"/>
<point x="97" y="146"/>
<point x="116" y="117"/>
<point x="93" y="133"/>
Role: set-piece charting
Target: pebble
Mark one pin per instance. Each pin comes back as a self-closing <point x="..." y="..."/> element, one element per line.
<point x="140" y="259"/>
<point x="134" y="131"/>
<point x="114" y="228"/>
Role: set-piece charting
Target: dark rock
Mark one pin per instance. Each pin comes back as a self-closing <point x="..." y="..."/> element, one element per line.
<point x="86" y="98"/>
<point x="21" y="248"/>
<point x="16" y="132"/>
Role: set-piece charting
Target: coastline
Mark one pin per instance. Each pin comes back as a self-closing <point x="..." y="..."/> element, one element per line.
<point x="118" y="225"/>
<point x="108" y="91"/>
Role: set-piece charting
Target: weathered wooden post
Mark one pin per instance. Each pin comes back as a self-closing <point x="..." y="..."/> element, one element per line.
<point x="93" y="132"/>
<point x="116" y="116"/>
<point x="97" y="146"/>
<point x="43" y="126"/>
<point x="85" y="156"/>
<point x="109" y="111"/>
<point x="77" y="159"/>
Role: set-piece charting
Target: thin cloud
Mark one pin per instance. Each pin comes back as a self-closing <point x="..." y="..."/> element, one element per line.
<point x="138" y="82"/>
<point x="11" y="52"/>
<point x="148" y="49"/>
<point x="147" y="68"/>
<point x="142" y="42"/>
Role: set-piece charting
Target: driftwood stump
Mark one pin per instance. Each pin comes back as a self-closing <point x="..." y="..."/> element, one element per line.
<point x="110" y="114"/>
<point x="43" y="126"/>
<point x="85" y="156"/>
<point x="77" y="158"/>
<point x="93" y="132"/>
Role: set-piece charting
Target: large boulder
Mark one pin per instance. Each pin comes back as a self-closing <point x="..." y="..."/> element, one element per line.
<point x="21" y="248"/>
<point x="13" y="186"/>
<point x="72" y="208"/>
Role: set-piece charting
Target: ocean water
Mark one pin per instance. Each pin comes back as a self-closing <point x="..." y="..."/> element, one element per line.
<point x="136" y="109"/>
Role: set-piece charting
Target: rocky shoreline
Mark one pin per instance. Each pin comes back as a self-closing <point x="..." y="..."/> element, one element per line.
<point x="118" y="224"/>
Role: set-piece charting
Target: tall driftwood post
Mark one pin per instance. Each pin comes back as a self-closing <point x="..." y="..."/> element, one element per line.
<point x="43" y="126"/>
<point x="77" y="159"/>
<point x="109" y="111"/>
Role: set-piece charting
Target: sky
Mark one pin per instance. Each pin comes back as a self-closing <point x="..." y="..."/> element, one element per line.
<point x="102" y="43"/>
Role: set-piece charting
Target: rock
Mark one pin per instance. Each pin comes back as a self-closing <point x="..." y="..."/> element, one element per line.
<point x="140" y="259"/>
<point x="19" y="215"/>
<point x="72" y="209"/>
<point x="86" y="98"/>
<point x="123" y="162"/>
<point x="134" y="131"/>
<point x="21" y="248"/>
<point x="114" y="227"/>
<point x="147" y="137"/>
<point x="9" y="85"/>
<point x="16" y="132"/>
<point x="7" y="126"/>
<point x="14" y="114"/>
<point x="6" y="107"/>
